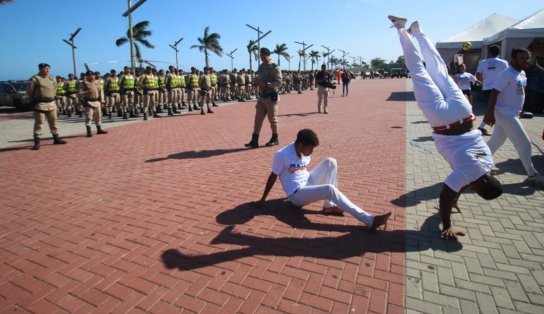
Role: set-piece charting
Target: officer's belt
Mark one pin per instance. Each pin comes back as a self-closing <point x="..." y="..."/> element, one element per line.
<point x="45" y="99"/>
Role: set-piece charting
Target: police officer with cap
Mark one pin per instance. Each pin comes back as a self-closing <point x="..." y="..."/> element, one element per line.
<point x="43" y="90"/>
<point x="268" y="78"/>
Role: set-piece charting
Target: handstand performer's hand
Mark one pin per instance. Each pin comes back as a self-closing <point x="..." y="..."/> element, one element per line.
<point x="451" y="234"/>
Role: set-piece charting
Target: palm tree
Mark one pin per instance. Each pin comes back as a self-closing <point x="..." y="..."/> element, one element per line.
<point x="281" y="51"/>
<point x="252" y="49"/>
<point x="302" y="56"/>
<point x="314" y="55"/>
<point x="334" y="61"/>
<point x="209" y="42"/>
<point x="139" y="32"/>
<point x="326" y="57"/>
<point x="6" y="1"/>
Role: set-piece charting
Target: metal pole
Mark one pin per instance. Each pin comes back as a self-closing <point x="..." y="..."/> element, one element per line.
<point x="131" y="39"/>
<point x="74" y="57"/>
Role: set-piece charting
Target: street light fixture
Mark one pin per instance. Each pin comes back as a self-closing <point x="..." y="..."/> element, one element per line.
<point x="344" y="54"/>
<point x="70" y="42"/>
<point x="128" y="13"/>
<point x="259" y="37"/>
<point x="231" y="59"/>
<point x="175" y="47"/>
<point x="303" y="52"/>
<point x="329" y="52"/>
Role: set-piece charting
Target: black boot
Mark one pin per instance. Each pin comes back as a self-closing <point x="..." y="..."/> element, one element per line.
<point x="273" y="140"/>
<point x="99" y="130"/>
<point x="36" y="143"/>
<point x="254" y="143"/>
<point x="175" y="110"/>
<point x="170" y="112"/>
<point x="190" y="108"/>
<point x="214" y="104"/>
<point x="89" y="132"/>
<point x="202" y="111"/>
<point x="159" y="109"/>
<point x="145" y="116"/>
<point x="132" y="114"/>
<point x="57" y="140"/>
<point x="119" y="113"/>
<point x="210" y="110"/>
<point x="125" y="115"/>
<point x="155" y="115"/>
<point x="183" y="104"/>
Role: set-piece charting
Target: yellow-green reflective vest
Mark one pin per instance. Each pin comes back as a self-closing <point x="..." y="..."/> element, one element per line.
<point x="71" y="86"/>
<point x="128" y="82"/>
<point x="113" y="84"/>
<point x="173" y="82"/>
<point x="162" y="82"/>
<point x="151" y="82"/>
<point x="194" y="80"/>
<point x="213" y="79"/>
<point x="181" y="80"/>
<point x="101" y="82"/>
<point x="60" y="89"/>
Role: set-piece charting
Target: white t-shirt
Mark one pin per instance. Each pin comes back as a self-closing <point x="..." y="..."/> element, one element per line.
<point x="490" y="69"/>
<point x="468" y="155"/>
<point x="511" y="85"/>
<point x="463" y="80"/>
<point x="293" y="171"/>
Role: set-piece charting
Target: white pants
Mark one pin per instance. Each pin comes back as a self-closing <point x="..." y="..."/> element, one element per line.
<point x="510" y="126"/>
<point x="323" y="185"/>
<point x="437" y="95"/>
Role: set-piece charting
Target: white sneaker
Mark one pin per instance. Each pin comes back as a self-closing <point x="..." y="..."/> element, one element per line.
<point x="537" y="180"/>
<point x="414" y="28"/>
<point x="398" y="22"/>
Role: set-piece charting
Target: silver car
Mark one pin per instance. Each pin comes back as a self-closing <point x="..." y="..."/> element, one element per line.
<point x="13" y="94"/>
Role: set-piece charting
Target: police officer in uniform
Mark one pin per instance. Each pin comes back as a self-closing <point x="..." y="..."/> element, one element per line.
<point x="42" y="90"/>
<point x="213" y="91"/>
<point x="205" y="85"/>
<point x="194" y="89"/>
<point x="150" y="85"/>
<point x="112" y="91"/>
<point x="71" y="91"/>
<point x="126" y="82"/>
<point x="268" y="78"/>
<point x="93" y="95"/>
<point x="60" y="99"/>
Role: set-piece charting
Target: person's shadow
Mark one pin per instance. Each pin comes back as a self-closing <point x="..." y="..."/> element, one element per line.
<point x="355" y="241"/>
<point x="198" y="154"/>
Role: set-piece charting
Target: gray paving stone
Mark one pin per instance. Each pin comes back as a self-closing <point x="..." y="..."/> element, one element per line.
<point x="515" y="290"/>
<point x="529" y="284"/>
<point x="422" y="306"/>
<point x="472" y="286"/>
<point x="486" y="303"/>
<point x="457" y="293"/>
<point x="430" y="282"/>
<point x="469" y="307"/>
<point x="502" y="298"/>
<point x="528" y="308"/>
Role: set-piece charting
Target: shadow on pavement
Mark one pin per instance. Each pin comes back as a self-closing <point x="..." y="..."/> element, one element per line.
<point x="402" y="96"/>
<point x="516" y="167"/>
<point x="356" y="241"/>
<point x="198" y="154"/>
<point x="423" y="139"/>
<point x="298" y="114"/>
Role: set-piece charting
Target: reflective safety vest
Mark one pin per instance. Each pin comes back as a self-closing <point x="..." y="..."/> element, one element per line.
<point x="181" y="78"/>
<point x="173" y="81"/>
<point x="213" y="78"/>
<point x="113" y="84"/>
<point x="128" y="82"/>
<point x="71" y="86"/>
<point x="60" y="89"/>
<point x="101" y="82"/>
<point x="151" y="82"/>
<point x="162" y="82"/>
<point x="194" y="80"/>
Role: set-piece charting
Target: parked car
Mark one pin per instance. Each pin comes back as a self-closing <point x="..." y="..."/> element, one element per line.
<point x="13" y="94"/>
<point x="398" y="73"/>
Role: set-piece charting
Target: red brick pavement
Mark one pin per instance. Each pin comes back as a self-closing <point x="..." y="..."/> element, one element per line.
<point x="153" y="216"/>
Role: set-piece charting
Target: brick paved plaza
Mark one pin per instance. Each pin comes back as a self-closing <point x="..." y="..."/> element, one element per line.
<point x="154" y="217"/>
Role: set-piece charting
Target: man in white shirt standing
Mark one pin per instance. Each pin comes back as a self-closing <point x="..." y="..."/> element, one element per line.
<point x="450" y="116"/>
<point x="505" y="105"/>
<point x="303" y="187"/>
<point x="487" y="71"/>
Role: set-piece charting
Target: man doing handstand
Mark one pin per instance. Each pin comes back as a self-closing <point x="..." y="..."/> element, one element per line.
<point x="450" y="116"/>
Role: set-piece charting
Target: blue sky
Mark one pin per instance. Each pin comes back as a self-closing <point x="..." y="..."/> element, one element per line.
<point x="31" y="31"/>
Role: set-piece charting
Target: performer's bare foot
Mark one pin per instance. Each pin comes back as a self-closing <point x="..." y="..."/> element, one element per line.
<point x="380" y="220"/>
<point x="332" y="211"/>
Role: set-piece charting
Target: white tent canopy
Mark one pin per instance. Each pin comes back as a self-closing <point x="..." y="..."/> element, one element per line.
<point x="520" y="34"/>
<point x="475" y="34"/>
